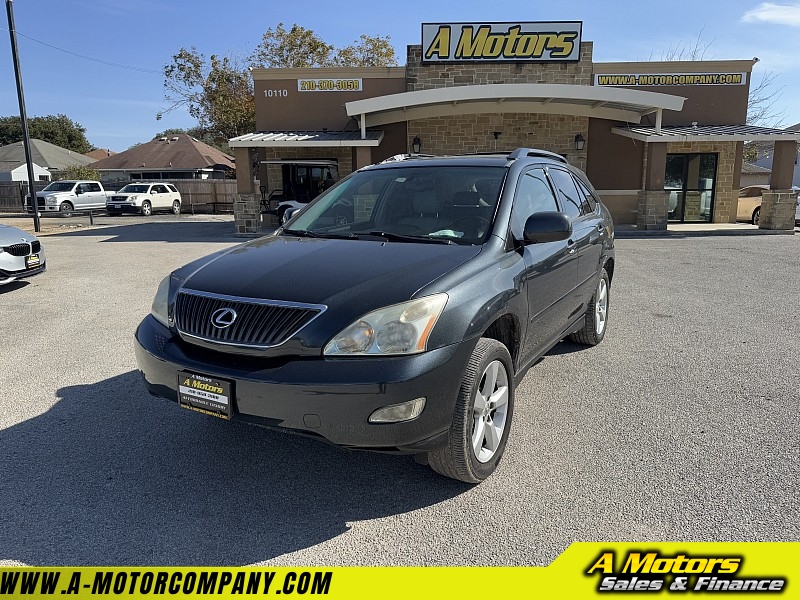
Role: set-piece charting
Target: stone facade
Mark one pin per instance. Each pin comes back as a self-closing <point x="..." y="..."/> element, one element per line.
<point x="247" y="214"/>
<point x="726" y="196"/>
<point x="652" y="210"/>
<point x="473" y="133"/>
<point x="426" y="76"/>
<point x="777" y="210"/>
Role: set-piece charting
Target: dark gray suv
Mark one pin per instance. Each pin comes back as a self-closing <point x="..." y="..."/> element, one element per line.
<point x="403" y="330"/>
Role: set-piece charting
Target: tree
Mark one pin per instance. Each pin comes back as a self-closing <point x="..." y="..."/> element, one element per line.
<point x="368" y="51"/>
<point x="301" y="47"/>
<point x="298" y="47"/>
<point x="216" y="92"/>
<point x="79" y="172"/>
<point x="56" y="129"/>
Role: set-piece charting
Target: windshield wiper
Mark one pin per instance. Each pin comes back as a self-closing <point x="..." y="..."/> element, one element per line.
<point x="397" y="237"/>
<point x="313" y="234"/>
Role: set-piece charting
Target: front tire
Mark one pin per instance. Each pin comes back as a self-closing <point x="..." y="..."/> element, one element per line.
<point x="596" y="318"/>
<point x="66" y="209"/>
<point x="482" y="417"/>
<point x="147" y="208"/>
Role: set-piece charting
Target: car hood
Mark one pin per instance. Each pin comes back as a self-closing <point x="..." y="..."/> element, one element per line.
<point x="11" y="235"/>
<point x="339" y="273"/>
<point x="43" y="194"/>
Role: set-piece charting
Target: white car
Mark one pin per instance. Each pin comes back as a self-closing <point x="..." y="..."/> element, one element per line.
<point x="144" y="198"/>
<point x="21" y="255"/>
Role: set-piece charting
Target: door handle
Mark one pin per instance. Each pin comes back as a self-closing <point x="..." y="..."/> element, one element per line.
<point x="599" y="227"/>
<point x="571" y="246"/>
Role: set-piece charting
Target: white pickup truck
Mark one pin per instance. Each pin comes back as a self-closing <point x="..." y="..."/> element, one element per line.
<point x="66" y="197"/>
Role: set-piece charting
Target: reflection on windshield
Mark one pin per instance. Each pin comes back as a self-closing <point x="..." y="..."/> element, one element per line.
<point x="59" y="186"/>
<point x="134" y="189"/>
<point x="426" y="202"/>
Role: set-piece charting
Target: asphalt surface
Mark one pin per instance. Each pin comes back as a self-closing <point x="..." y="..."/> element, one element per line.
<point x="681" y="425"/>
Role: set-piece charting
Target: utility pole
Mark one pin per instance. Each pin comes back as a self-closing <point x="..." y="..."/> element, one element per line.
<point x="26" y="141"/>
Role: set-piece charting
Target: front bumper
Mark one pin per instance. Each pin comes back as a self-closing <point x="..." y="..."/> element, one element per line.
<point x="9" y="276"/>
<point x="321" y="397"/>
<point x="123" y="208"/>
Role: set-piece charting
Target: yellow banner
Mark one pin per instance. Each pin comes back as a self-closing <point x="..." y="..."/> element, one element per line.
<point x="584" y="570"/>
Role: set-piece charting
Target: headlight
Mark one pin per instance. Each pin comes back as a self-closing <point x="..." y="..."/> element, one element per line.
<point x="160" y="308"/>
<point x="399" y="329"/>
<point x="51" y="200"/>
<point x="131" y="198"/>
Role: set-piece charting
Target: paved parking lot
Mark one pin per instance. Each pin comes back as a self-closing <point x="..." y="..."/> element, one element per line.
<point x="681" y="425"/>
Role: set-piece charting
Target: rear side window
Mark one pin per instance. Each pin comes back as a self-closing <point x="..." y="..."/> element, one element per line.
<point x="568" y="195"/>
<point x="533" y="195"/>
<point x="172" y="188"/>
<point x="588" y="202"/>
<point x="94" y="187"/>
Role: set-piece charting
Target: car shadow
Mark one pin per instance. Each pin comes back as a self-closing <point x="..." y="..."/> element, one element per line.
<point x="13" y="286"/>
<point x="565" y="347"/>
<point x="113" y="476"/>
<point x="175" y="231"/>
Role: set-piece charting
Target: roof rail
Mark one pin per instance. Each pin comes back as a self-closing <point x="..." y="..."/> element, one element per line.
<point x="533" y="152"/>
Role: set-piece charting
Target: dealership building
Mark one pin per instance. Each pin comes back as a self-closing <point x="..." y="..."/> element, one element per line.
<point x="660" y="141"/>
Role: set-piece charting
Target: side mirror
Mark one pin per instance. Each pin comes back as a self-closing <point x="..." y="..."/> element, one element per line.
<point x="78" y="191"/>
<point x="547" y="227"/>
<point x="288" y="214"/>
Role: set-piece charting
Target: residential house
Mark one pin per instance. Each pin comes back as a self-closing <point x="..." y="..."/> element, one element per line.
<point x="46" y="155"/>
<point x="14" y="170"/>
<point x="175" y="157"/>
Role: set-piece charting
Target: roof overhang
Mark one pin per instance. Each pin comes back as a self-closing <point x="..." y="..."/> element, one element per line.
<point x="306" y="139"/>
<point x="709" y="133"/>
<point x="554" y="98"/>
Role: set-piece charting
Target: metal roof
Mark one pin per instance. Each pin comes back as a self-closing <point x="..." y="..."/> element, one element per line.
<point x="283" y="139"/>
<point x="553" y="98"/>
<point x="708" y="133"/>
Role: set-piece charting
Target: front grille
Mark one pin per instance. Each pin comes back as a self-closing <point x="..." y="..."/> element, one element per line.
<point x="258" y="323"/>
<point x="19" y="249"/>
<point x="40" y="202"/>
<point x="119" y="198"/>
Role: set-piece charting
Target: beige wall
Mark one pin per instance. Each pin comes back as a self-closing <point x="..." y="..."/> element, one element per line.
<point x="622" y="204"/>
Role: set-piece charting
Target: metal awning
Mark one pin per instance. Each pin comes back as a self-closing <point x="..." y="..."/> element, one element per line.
<point x="709" y="133"/>
<point x="308" y="139"/>
<point x="616" y="104"/>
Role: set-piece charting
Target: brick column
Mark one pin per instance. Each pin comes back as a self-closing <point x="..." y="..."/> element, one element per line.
<point x="777" y="209"/>
<point x="247" y="214"/>
<point x="652" y="210"/>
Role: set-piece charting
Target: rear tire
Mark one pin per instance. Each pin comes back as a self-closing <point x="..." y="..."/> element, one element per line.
<point x="482" y="417"/>
<point x="147" y="208"/>
<point x="66" y="209"/>
<point x="176" y="207"/>
<point x="756" y="216"/>
<point x="596" y="317"/>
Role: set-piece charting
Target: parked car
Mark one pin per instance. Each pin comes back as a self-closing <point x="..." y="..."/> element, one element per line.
<point x="406" y="330"/>
<point x="67" y="197"/>
<point x="145" y="198"/>
<point x="21" y="255"/>
<point x="749" y="207"/>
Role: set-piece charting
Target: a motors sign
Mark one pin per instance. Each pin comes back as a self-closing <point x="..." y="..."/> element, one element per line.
<point x="501" y="42"/>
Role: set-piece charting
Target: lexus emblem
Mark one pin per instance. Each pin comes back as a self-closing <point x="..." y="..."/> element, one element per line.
<point x="223" y="317"/>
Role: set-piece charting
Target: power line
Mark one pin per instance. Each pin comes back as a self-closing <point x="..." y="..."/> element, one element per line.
<point x="97" y="60"/>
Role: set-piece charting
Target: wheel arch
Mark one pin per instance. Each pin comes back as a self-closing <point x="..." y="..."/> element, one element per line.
<point x="506" y="330"/>
<point x="609" y="267"/>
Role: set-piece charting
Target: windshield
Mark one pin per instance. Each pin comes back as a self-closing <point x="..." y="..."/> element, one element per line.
<point x="60" y="186"/>
<point x="133" y="188"/>
<point x="423" y="202"/>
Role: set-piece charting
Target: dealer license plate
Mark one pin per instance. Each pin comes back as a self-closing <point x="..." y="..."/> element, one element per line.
<point x="208" y="395"/>
<point x="32" y="261"/>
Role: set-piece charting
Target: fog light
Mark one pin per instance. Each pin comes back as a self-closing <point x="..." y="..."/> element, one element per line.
<point x="398" y="412"/>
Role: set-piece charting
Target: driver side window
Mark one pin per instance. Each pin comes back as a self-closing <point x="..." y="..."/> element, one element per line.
<point x="533" y="195"/>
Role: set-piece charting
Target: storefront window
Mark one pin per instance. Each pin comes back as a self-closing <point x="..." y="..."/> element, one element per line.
<point x="690" y="180"/>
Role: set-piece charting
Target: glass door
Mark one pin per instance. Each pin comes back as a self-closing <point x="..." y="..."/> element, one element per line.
<point x="690" y="180"/>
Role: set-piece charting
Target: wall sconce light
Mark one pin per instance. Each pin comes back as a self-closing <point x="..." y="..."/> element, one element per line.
<point x="580" y="142"/>
<point x="416" y="145"/>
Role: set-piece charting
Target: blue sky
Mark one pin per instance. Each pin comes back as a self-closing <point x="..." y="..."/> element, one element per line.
<point x="117" y="106"/>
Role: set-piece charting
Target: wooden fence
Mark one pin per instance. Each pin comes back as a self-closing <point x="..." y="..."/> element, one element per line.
<point x="197" y="195"/>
